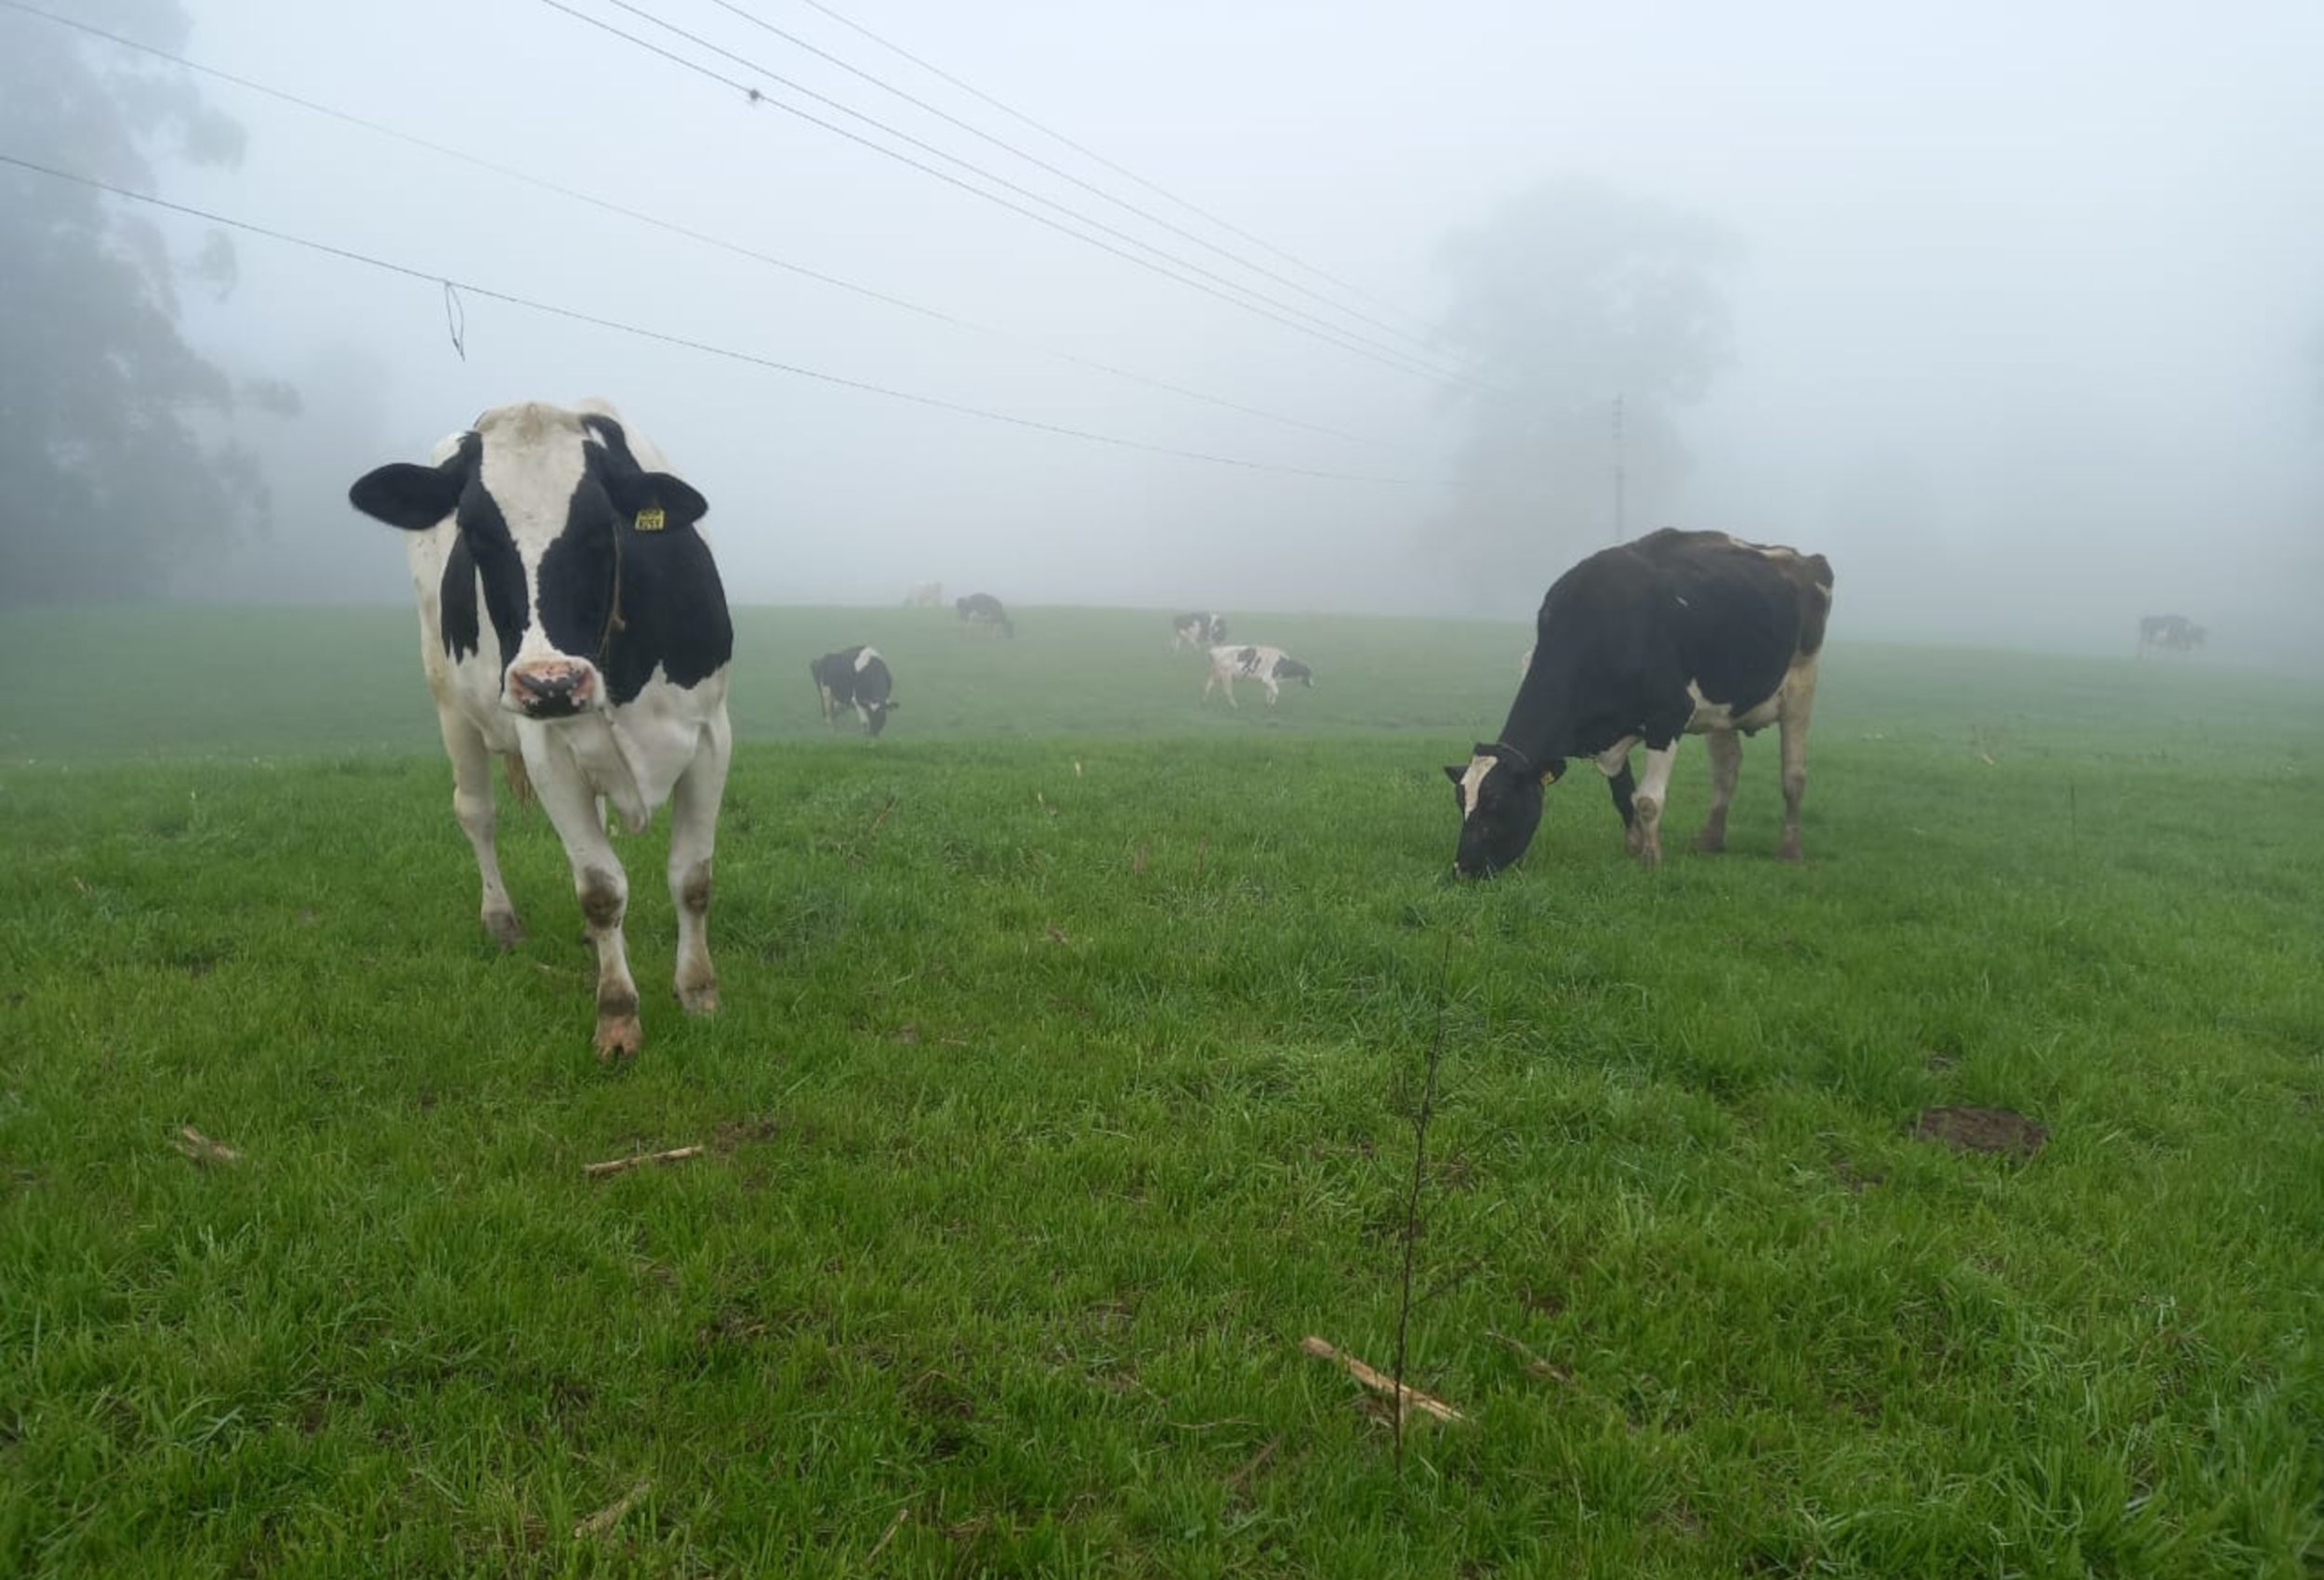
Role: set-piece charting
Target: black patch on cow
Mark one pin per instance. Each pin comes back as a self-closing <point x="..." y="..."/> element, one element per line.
<point x="456" y="612"/>
<point x="1624" y="786"/>
<point x="1292" y="669"/>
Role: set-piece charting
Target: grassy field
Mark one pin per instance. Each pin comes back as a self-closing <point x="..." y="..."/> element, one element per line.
<point x="1066" y="1081"/>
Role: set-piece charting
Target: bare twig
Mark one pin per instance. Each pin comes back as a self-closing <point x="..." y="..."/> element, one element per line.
<point x="1251" y="1467"/>
<point x="1407" y="1397"/>
<point x="873" y="832"/>
<point x="547" y="969"/>
<point x="1426" y="1112"/>
<point x="1534" y="1363"/>
<point x="609" y="1516"/>
<point x="622" y="1165"/>
<point x="889" y="1536"/>
<point x="200" y="1148"/>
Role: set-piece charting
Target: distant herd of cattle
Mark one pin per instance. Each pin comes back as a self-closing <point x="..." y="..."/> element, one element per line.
<point x="572" y="624"/>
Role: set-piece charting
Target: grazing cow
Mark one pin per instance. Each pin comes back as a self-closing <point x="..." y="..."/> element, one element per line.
<point x="983" y="610"/>
<point x="856" y="678"/>
<point x="924" y="595"/>
<point x="2173" y="631"/>
<point x="1270" y="667"/>
<point x="1197" y="631"/>
<point x="1678" y="633"/>
<point x="571" y="621"/>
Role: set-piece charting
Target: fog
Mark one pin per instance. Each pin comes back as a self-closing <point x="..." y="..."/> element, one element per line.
<point x="2011" y="312"/>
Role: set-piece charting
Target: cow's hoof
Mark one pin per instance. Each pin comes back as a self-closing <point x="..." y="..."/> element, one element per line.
<point x="1789" y="851"/>
<point x="1710" y="844"/>
<point x="1651" y="856"/>
<point x="618" y="1037"/>
<point x="506" y="930"/>
<point x="701" y="999"/>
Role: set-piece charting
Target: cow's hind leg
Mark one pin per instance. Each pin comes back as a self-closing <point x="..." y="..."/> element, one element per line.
<point x="693" y="829"/>
<point x="1623" y="785"/>
<point x="1799" y="703"/>
<point x="1726" y="766"/>
<point x="472" y="803"/>
<point x="603" y="890"/>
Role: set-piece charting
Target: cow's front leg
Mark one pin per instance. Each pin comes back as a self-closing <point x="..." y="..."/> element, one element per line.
<point x="1646" y="830"/>
<point x="1726" y="764"/>
<point x="472" y="803"/>
<point x="693" y="837"/>
<point x="603" y="890"/>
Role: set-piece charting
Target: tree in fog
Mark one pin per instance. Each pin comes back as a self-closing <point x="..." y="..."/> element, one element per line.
<point x="1570" y="297"/>
<point x="108" y="481"/>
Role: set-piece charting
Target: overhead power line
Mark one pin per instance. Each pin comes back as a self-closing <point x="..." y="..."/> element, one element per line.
<point x="1064" y="175"/>
<point x="706" y="348"/>
<point x="674" y="228"/>
<point x="1183" y="271"/>
<point x="1096" y="158"/>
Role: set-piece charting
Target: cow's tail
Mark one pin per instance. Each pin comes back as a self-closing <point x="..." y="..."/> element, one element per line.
<point x="1008" y="627"/>
<point x="519" y="781"/>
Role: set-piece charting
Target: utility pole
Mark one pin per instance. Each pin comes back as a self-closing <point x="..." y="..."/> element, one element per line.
<point x="1620" y="525"/>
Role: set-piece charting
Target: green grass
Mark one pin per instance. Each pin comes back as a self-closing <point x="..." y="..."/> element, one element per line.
<point x="1050" y="1109"/>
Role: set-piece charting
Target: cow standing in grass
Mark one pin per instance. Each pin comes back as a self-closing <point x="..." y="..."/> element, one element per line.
<point x="1676" y="634"/>
<point x="571" y="621"/>
<point x="1200" y="630"/>
<point x="982" y="609"/>
<point x="1268" y="666"/>
<point x="856" y="678"/>
<point x="924" y="595"/>
<point x="2174" y="632"/>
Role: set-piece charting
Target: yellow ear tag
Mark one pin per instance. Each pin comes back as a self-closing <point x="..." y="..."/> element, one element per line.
<point x="1549" y="776"/>
<point x="650" y="520"/>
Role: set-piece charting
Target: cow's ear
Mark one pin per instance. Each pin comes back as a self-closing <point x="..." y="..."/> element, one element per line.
<point x="1455" y="774"/>
<point x="643" y="494"/>
<point x="1484" y="749"/>
<point x="408" y="495"/>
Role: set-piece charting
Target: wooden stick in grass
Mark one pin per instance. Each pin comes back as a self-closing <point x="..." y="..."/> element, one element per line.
<point x="200" y="1148"/>
<point x="607" y="1517"/>
<point x="1379" y="1382"/>
<point x="622" y="1165"/>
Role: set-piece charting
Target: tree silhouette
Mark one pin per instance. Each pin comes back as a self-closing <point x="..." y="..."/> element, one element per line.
<point x="109" y="486"/>
<point x="1569" y="298"/>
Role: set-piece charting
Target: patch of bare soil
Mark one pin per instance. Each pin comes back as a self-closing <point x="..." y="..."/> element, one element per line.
<point x="1982" y="1130"/>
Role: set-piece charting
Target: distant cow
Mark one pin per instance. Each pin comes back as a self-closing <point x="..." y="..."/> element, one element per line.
<point x="856" y="678"/>
<point x="924" y="595"/>
<point x="571" y="620"/>
<point x="984" y="610"/>
<point x="1678" y="633"/>
<point x="1270" y="667"/>
<point x="2175" y="632"/>
<point x="1197" y="631"/>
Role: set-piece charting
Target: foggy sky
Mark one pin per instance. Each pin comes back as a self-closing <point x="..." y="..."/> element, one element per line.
<point x="2018" y="313"/>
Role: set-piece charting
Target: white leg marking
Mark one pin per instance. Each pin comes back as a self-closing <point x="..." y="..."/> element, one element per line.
<point x="472" y="803"/>
<point x="1798" y="703"/>
<point x="1653" y="787"/>
<point x="1726" y="764"/>
<point x="693" y="839"/>
<point x="603" y="890"/>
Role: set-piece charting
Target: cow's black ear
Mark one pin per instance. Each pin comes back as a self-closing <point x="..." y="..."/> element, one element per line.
<point x="637" y="494"/>
<point x="1455" y="774"/>
<point x="1484" y="749"/>
<point x="405" y="494"/>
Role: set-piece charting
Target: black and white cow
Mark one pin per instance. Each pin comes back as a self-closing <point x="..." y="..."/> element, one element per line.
<point x="2173" y="631"/>
<point x="1200" y="630"/>
<point x="1677" y="634"/>
<point x="984" y="610"/>
<point x="571" y="621"/>
<point x="856" y="678"/>
<point x="1270" y="667"/>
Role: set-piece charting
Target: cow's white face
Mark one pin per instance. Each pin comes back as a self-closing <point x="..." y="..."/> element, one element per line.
<point x="1499" y="794"/>
<point x="545" y="502"/>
